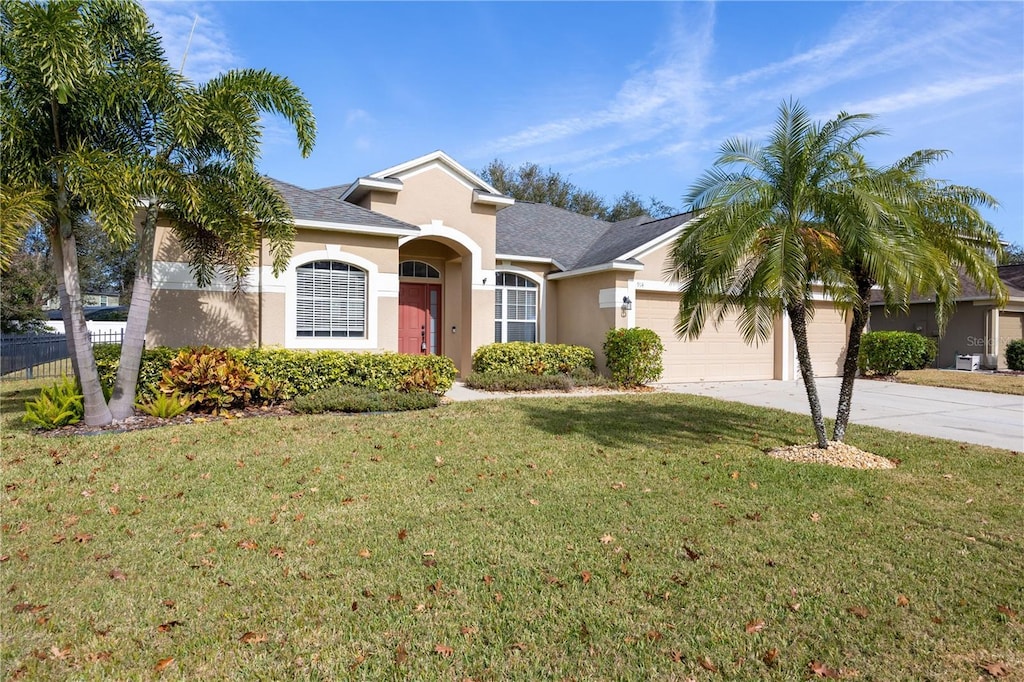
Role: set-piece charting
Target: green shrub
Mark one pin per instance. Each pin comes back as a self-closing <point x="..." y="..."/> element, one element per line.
<point x="57" y="405"/>
<point x="1015" y="355"/>
<point x="523" y="381"/>
<point x="584" y="376"/>
<point x="520" y="357"/>
<point x="341" y="398"/>
<point x="633" y="356"/>
<point x="151" y="368"/>
<point x="887" y="353"/>
<point x="305" y="372"/>
<point x="210" y="378"/>
<point x="165" y="406"/>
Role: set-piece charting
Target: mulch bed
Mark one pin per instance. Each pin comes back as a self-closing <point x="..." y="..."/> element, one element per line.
<point x="140" y="421"/>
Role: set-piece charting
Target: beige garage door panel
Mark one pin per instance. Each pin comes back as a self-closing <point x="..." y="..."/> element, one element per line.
<point x="1011" y="326"/>
<point x="826" y="337"/>
<point x="718" y="355"/>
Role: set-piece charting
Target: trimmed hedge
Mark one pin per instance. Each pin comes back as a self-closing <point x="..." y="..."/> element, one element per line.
<point x="309" y="371"/>
<point x="887" y="353"/>
<point x="633" y="356"/>
<point x="300" y="372"/>
<point x="1015" y="355"/>
<point x="493" y="381"/>
<point x="520" y="357"/>
<point x="340" y="398"/>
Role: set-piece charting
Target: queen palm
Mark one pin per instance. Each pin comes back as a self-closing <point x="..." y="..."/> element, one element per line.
<point x="63" y="135"/>
<point x="198" y="175"/>
<point x="764" y="239"/>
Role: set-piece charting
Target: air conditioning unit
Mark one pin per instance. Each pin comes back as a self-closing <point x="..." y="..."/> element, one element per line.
<point x="968" y="363"/>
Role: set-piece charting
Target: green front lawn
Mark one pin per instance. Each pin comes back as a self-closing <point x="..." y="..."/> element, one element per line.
<point x="617" y="537"/>
<point x="1012" y="384"/>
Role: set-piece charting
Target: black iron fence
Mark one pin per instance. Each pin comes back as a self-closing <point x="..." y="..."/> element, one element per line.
<point x="32" y="356"/>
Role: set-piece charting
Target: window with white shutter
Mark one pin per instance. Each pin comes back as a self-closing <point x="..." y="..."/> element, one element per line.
<point x="515" y="308"/>
<point x="330" y="300"/>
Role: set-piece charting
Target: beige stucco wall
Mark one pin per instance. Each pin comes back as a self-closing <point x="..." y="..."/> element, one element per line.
<point x="193" y="318"/>
<point x="582" y="321"/>
<point x="654" y="264"/>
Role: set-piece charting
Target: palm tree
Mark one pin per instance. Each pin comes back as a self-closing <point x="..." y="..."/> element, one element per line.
<point x="765" y="237"/>
<point x="60" y="63"/>
<point x="904" y="232"/>
<point x="198" y="175"/>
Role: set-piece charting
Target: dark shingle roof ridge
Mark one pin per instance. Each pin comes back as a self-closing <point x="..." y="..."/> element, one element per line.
<point x="333" y="191"/>
<point x="310" y="205"/>
<point x="536" y="229"/>
<point x="1012" y="277"/>
<point x="622" y="237"/>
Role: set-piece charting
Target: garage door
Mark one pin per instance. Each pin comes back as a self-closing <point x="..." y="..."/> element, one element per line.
<point x="718" y="355"/>
<point x="826" y="338"/>
<point x="1011" y="326"/>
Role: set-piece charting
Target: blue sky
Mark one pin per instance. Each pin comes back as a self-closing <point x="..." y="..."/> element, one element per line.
<point x="619" y="96"/>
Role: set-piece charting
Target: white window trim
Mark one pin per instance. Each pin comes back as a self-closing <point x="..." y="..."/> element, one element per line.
<point x="541" y="296"/>
<point x="373" y="282"/>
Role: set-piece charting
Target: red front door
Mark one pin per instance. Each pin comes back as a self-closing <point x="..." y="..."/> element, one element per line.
<point x="419" y="318"/>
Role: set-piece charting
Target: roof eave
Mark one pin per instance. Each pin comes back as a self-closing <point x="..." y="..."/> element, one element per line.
<point x="362" y="186"/>
<point x="381" y="230"/>
<point x="616" y="265"/>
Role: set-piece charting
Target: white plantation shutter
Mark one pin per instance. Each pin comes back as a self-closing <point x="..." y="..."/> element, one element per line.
<point x="330" y="300"/>
<point x="515" y="308"/>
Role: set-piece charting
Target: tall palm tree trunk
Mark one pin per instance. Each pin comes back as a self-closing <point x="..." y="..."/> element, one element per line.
<point x="798" y="323"/>
<point x="122" y="401"/>
<point x="860" y="315"/>
<point x="65" y="263"/>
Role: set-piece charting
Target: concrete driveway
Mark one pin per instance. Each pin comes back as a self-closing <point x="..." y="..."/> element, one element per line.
<point x="967" y="416"/>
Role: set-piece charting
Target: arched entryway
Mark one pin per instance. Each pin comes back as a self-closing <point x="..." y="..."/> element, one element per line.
<point x="435" y="298"/>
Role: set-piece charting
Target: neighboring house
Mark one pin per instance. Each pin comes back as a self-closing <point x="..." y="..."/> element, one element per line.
<point x="102" y="299"/>
<point x="106" y="324"/>
<point x="977" y="327"/>
<point x="426" y="257"/>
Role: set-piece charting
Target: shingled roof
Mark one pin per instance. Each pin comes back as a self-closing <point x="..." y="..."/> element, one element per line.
<point x="573" y="240"/>
<point x="1011" y="275"/>
<point x="308" y="205"/>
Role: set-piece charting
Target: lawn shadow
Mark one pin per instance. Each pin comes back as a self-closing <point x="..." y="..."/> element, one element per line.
<point x="666" y="422"/>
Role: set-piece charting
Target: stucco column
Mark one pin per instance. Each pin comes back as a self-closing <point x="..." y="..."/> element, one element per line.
<point x="992" y="339"/>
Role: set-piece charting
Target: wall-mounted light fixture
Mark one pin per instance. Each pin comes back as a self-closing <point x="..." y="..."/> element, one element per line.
<point x="485" y="281"/>
<point x="453" y="329"/>
<point x="627" y="303"/>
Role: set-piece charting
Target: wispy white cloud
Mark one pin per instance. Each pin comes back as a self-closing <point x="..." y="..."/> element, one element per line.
<point x="208" y="53"/>
<point x="672" y="87"/>
<point x="935" y="93"/>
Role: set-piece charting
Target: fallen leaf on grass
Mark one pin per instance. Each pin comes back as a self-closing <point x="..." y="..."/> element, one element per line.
<point x="168" y="626"/>
<point x="277" y="552"/>
<point x="819" y="669"/>
<point x="771" y="656"/>
<point x="84" y="537"/>
<point x="364" y="553"/>
<point x="401" y="654"/>
<point x="585" y="576"/>
<point x="691" y="554"/>
<point x="1007" y="611"/>
<point x="163" y="664"/>
<point x="755" y="625"/>
<point x="676" y="656"/>
<point x="815" y="517"/>
<point x="247" y="544"/>
<point x="24" y="606"/>
<point x="706" y="663"/>
<point x="444" y="650"/>
<point x="402" y="534"/>
<point x="253" y="637"/>
<point x="859" y="611"/>
<point x="98" y="656"/>
<point x="995" y="669"/>
<point x="901" y="600"/>
<point x="118" y="575"/>
<point x="607" y="539"/>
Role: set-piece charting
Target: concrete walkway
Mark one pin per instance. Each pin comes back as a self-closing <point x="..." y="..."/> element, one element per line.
<point x="989" y="419"/>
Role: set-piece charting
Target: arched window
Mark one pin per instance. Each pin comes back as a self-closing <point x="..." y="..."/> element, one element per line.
<point x="330" y="300"/>
<point x="515" y="308"/>
<point x="418" y="269"/>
